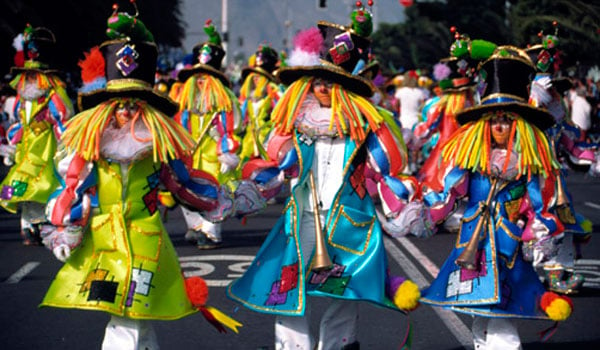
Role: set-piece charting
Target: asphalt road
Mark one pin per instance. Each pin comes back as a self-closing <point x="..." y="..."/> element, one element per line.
<point x="26" y="273"/>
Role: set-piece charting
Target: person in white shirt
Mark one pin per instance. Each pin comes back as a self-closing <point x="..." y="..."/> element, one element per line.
<point x="581" y="110"/>
<point x="411" y="99"/>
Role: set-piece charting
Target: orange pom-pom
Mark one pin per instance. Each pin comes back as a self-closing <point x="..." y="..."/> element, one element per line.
<point x="197" y="290"/>
<point x="92" y="66"/>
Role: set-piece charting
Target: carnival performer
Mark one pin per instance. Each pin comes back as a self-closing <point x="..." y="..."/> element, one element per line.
<point x="501" y="159"/>
<point x="41" y="108"/>
<point x="106" y="227"/>
<point x="210" y="111"/>
<point x="455" y="77"/>
<point x="546" y="92"/>
<point x="259" y="93"/>
<point x="339" y="149"/>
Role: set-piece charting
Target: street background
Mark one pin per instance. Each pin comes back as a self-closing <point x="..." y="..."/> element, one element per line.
<point x="26" y="273"/>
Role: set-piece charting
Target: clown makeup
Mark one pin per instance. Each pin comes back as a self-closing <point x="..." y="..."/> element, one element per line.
<point x="500" y="125"/>
<point x="200" y="79"/>
<point x="125" y="111"/>
<point x="322" y="90"/>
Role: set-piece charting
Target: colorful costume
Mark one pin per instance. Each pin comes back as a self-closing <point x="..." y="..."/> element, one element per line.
<point x="119" y="152"/>
<point x="259" y="93"/>
<point x="209" y="110"/>
<point x="486" y="274"/>
<point x="337" y="156"/>
<point x="546" y="92"/>
<point x="455" y="77"/>
<point x="41" y="109"/>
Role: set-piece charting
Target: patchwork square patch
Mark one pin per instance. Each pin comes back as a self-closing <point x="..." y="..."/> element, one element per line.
<point x="275" y="297"/>
<point x="289" y="278"/>
<point x="335" y="285"/>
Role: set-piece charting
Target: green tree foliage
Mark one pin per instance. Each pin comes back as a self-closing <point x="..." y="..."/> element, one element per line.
<point x="425" y="36"/>
<point x="577" y="27"/>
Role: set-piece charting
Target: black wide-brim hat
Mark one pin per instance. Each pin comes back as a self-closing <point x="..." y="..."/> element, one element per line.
<point x="130" y="76"/>
<point x="39" y="53"/>
<point x="562" y="84"/>
<point x="212" y="67"/>
<point x="507" y="74"/>
<point x="185" y="73"/>
<point x="330" y="72"/>
<point x="371" y="70"/>
<point x="258" y="70"/>
<point x="331" y="32"/>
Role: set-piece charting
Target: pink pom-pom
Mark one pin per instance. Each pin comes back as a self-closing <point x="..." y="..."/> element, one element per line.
<point x="309" y="40"/>
<point x="441" y="71"/>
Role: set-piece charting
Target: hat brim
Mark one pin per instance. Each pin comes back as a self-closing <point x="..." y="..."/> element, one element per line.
<point x="160" y="102"/>
<point x="562" y="84"/>
<point x="460" y="88"/>
<point x="370" y="71"/>
<point x="354" y="83"/>
<point x="17" y="70"/>
<point x="247" y="70"/>
<point x="534" y="115"/>
<point x="185" y="73"/>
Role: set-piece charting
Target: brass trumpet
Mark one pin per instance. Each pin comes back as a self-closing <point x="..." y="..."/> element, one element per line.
<point x="563" y="208"/>
<point x="321" y="259"/>
<point x="467" y="259"/>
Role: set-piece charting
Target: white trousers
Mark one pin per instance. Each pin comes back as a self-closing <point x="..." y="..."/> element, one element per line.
<point x="338" y="325"/>
<point x="196" y="222"/>
<point x="127" y="334"/>
<point x="491" y="333"/>
<point x="337" y="328"/>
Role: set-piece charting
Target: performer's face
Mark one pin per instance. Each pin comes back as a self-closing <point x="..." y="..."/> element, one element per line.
<point x="501" y="130"/>
<point x="200" y="81"/>
<point x="322" y="91"/>
<point x="125" y="112"/>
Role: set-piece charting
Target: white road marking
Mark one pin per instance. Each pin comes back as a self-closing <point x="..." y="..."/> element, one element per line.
<point x="593" y="205"/>
<point x="429" y="265"/>
<point x="195" y="265"/>
<point x="460" y="331"/>
<point x="22" y="272"/>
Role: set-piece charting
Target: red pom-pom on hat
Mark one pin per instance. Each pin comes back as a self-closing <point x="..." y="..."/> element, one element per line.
<point x="92" y="66"/>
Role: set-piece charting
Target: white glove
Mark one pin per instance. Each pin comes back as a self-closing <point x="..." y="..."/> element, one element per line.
<point x="62" y="252"/>
<point x="413" y="219"/>
<point x="61" y="240"/>
<point x="8" y="152"/>
<point x="229" y="162"/>
<point x="248" y="199"/>
<point x="225" y="207"/>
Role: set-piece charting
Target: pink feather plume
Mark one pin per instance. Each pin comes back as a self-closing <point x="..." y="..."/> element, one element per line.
<point x="309" y="40"/>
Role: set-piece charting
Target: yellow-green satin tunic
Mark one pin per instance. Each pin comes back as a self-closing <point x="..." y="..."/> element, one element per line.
<point x="32" y="178"/>
<point x="126" y="264"/>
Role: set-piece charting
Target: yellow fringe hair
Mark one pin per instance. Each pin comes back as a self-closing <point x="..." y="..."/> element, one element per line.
<point x="211" y="96"/>
<point x="470" y="147"/>
<point x="84" y="131"/>
<point x="349" y="114"/>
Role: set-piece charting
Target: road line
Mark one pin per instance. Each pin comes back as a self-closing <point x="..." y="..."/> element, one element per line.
<point x="429" y="265"/>
<point x="22" y="272"/>
<point x="460" y="331"/>
<point x="587" y="262"/>
<point x="593" y="205"/>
